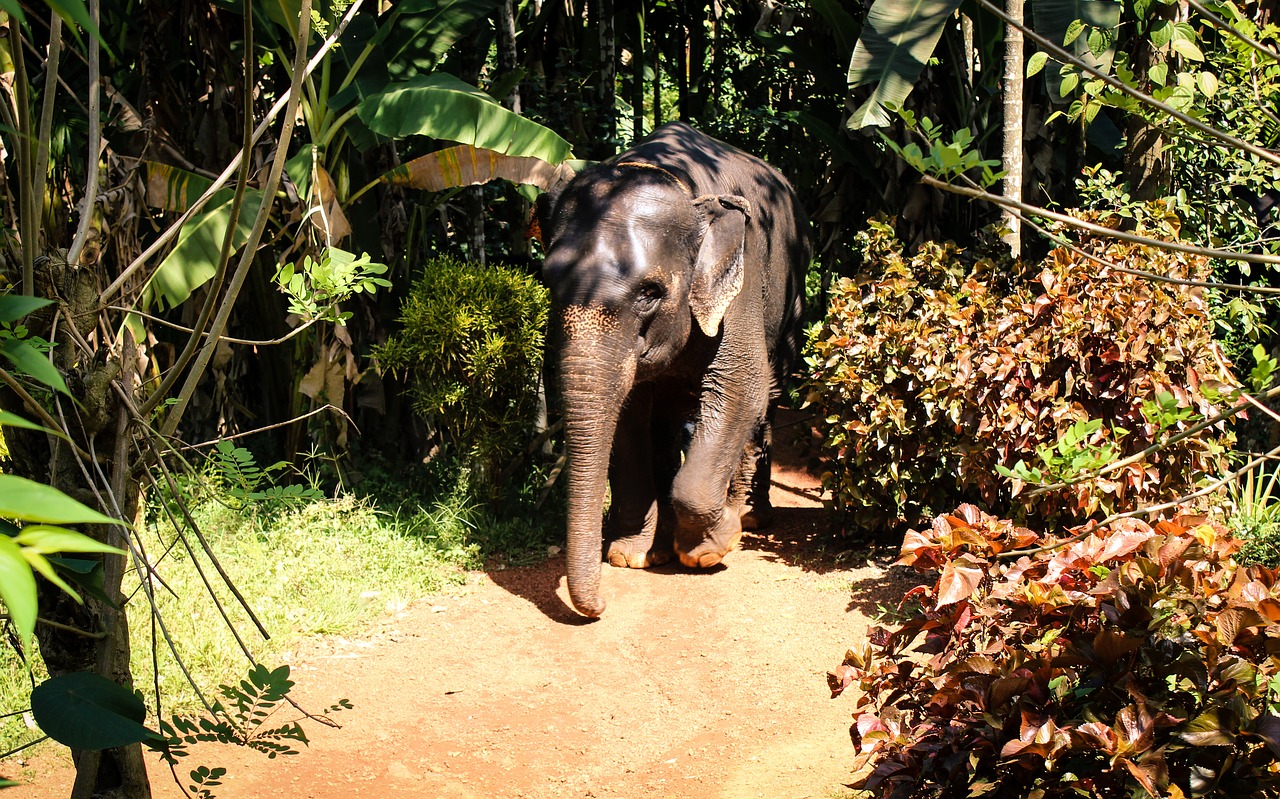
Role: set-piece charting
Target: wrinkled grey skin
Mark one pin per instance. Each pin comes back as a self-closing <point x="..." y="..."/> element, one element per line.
<point x="677" y="297"/>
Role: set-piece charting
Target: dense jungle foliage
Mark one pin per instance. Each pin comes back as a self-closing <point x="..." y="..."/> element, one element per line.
<point x="226" y="225"/>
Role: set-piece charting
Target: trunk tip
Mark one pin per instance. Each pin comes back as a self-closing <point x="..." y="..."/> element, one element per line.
<point x="590" y="606"/>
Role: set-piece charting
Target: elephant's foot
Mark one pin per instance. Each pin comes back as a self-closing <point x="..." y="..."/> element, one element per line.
<point x="637" y="553"/>
<point x="719" y="541"/>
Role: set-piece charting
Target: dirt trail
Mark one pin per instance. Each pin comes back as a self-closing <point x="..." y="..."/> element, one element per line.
<point x="707" y="684"/>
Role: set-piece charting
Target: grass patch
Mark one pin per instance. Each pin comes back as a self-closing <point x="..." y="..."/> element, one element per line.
<point x="327" y="567"/>
<point x="307" y="567"/>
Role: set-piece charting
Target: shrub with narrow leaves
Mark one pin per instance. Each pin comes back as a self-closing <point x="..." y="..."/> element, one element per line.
<point x="1128" y="661"/>
<point x="471" y="343"/>
<point x="933" y="369"/>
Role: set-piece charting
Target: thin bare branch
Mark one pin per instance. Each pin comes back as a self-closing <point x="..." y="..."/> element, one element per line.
<point x="36" y="408"/>
<point x="285" y="423"/>
<point x="95" y="145"/>
<point x="1101" y="230"/>
<point x="1224" y="26"/>
<point x="229" y="339"/>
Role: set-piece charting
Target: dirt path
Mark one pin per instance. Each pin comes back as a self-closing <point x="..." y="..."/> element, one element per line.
<point x="692" y="685"/>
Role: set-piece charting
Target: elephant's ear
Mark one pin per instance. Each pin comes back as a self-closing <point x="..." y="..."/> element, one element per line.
<point x="717" y="274"/>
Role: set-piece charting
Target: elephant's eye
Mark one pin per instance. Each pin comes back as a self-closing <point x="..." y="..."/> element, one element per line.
<point x="648" y="297"/>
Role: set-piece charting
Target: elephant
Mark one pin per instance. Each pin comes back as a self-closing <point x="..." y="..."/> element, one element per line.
<point x="676" y="273"/>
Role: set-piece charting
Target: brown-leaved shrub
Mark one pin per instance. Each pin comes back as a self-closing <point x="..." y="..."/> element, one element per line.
<point x="933" y="369"/>
<point x="1133" y="660"/>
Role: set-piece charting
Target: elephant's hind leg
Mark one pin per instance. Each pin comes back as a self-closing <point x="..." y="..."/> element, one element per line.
<point x="749" y="491"/>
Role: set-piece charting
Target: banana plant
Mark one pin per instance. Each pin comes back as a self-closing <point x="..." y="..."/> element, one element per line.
<point x="382" y="84"/>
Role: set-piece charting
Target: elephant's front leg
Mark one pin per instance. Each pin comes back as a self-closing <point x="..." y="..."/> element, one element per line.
<point x="709" y="526"/>
<point x="632" y="521"/>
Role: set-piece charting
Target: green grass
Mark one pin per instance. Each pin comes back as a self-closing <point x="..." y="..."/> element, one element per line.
<point x="307" y="568"/>
<point x="328" y="567"/>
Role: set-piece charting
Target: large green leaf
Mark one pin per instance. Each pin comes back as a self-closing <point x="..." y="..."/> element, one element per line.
<point x="15" y="306"/>
<point x="443" y="107"/>
<point x="86" y="711"/>
<point x="896" y="42"/>
<point x="425" y="30"/>
<point x="47" y="540"/>
<point x="30" y="501"/>
<point x="14" y="420"/>
<point x="28" y="360"/>
<point x="18" y="589"/>
<point x="1051" y="18"/>
<point x="194" y="259"/>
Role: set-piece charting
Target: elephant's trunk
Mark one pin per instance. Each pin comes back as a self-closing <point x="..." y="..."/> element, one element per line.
<point x="596" y="376"/>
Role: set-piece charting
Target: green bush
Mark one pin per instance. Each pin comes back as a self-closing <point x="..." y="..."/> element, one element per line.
<point x="471" y="343"/>
<point x="933" y="371"/>
<point x="1135" y="661"/>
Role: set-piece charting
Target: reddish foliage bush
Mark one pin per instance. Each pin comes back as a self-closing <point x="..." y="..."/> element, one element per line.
<point x="933" y="369"/>
<point x="1132" y="660"/>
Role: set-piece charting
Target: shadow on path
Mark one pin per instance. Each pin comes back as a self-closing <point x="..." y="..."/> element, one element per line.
<point x="537" y="585"/>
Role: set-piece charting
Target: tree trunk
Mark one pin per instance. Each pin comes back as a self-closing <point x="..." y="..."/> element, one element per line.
<point x="508" y="58"/>
<point x="637" y="79"/>
<point x="1012" y="158"/>
<point x="97" y="417"/>
<point x="1146" y="166"/>
<point x="681" y="34"/>
<point x="607" y="91"/>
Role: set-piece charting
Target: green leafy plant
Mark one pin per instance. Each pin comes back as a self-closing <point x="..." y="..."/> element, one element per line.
<point x="1134" y="660"/>
<point x="944" y="160"/>
<point x="247" y="482"/>
<point x="936" y="374"/>
<point x="1254" y="516"/>
<point x="471" y="345"/>
<point x="315" y="288"/>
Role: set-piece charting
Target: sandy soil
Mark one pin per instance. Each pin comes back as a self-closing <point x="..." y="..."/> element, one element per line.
<point x="693" y="684"/>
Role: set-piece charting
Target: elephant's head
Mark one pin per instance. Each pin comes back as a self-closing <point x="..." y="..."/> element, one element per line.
<point x="639" y="268"/>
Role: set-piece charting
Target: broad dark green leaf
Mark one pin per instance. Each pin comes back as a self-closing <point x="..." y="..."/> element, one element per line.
<point x="194" y="259"/>
<point x="86" y="711"/>
<point x="17" y="589"/>
<point x="897" y="40"/>
<point x="443" y="107"/>
<point x="425" y="30"/>
<point x="84" y="574"/>
<point x="30" y="501"/>
<point x="28" y="360"/>
<point x="1054" y="18"/>
<point x="842" y="24"/>
<point x="15" y="306"/>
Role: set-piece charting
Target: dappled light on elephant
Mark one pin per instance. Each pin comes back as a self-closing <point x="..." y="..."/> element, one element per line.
<point x="676" y="273"/>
